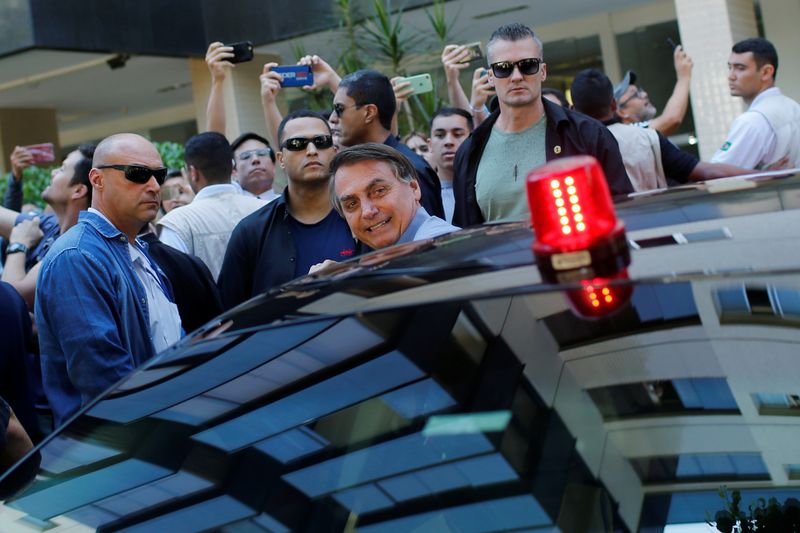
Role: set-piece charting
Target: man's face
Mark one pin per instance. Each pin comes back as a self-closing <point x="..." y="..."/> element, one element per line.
<point x="377" y="205"/>
<point x="175" y="193"/>
<point x="350" y="119"/>
<point x="745" y="79"/>
<point x="447" y="134"/>
<point x="255" y="172"/>
<point x="419" y="145"/>
<point x="311" y="163"/>
<point x="517" y="90"/>
<point x="635" y="105"/>
<point x="127" y="204"/>
<point x="59" y="192"/>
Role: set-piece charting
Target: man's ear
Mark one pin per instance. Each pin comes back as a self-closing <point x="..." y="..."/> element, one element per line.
<point x="768" y="72"/>
<point x="372" y="113"/>
<point x="414" y="184"/>
<point x="279" y="159"/>
<point x="543" y="70"/>
<point x="96" y="179"/>
<point x="81" y="191"/>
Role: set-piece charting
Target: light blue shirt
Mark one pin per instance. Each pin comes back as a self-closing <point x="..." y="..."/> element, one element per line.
<point x="424" y="226"/>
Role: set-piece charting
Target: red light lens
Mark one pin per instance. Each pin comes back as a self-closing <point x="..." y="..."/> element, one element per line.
<point x="600" y="297"/>
<point x="570" y="205"/>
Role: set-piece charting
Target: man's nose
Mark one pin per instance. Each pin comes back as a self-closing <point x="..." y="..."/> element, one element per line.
<point x="311" y="148"/>
<point x="368" y="209"/>
<point x="516" y="74"/>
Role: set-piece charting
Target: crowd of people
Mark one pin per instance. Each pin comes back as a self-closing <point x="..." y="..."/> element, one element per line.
<point x="129" y="255"/>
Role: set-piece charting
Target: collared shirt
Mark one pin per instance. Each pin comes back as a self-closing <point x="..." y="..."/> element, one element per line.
<point x="92" y="314"/>
<point x="751" y="141"/>
<point x="448" y="200"/>
<point x="165" y="322"/>
<point x="267" y="195"/>
<point x="171" y="237"/>
<point x="424" y="226"/>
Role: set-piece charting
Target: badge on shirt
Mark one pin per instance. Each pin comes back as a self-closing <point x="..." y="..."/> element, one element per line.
<point x="726" y="146"/>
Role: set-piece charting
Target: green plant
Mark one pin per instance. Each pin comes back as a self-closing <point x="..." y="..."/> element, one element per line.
<point x="350" y="59"/>
<point x="762" y="516"/>
<point x="34" y="181"/>
<point x="441" y="26"/>
<point x="171" y="153"/>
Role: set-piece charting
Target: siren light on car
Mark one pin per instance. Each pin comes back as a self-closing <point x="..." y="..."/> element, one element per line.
<point x="578" y="235"/>
<point x="600" y="297"/>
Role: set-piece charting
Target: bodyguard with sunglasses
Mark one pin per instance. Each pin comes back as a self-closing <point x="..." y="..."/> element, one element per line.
<point x="282" y="240"/>
<point x="525" y="132"/>
<point x="102" y="306"/>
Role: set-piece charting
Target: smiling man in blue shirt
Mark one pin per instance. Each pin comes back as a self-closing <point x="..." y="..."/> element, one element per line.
<point x="102" y="306"/>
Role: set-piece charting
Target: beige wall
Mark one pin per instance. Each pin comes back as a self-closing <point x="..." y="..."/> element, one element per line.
<point x="781" y="18"/>
<point x="26" y="126"/>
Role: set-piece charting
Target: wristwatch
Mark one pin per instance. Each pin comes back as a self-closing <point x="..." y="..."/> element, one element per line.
<point x="16" y="247"/>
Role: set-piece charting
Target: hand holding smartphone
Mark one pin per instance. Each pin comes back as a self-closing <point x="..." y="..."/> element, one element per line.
<point x="419" y="84"/>
<point x="295" y="75"/>
<point x="242" y="52"/>
<point x="41" y="153"/>
<point x="474" y="52"/>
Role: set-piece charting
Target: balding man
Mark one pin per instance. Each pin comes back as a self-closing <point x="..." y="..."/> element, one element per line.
<point x="102" y="306"/>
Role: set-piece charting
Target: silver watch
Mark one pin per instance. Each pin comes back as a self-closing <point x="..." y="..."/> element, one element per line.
<point x="16" y="247"/>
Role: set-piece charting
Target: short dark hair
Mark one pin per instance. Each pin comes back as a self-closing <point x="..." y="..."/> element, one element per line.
<point x="403" y="168"/>
<point x="763" y="52"/>
<point x="592" y="93"/>
<point x="371" y="87"/>
<point x="558" y="94"/>
<point x="211" y="154"/>
<point x="300" y="113"/>
<point x="513" y="32"/>
<point x="251" y="136"/>
<point x="82" y="169"/>
<point x="449" y="112"/>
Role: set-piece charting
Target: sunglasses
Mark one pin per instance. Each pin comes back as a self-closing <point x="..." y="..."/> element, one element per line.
<point x="504" y="69"/>
<point x="260" y="152"/>
<point x="340" y="108"/>
<point x="638" y="94"/>
<point x="295" y="144"/>
<point x="140" y="175"/>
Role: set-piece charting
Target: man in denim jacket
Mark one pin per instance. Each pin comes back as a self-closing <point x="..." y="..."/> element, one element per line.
<point x="103" y="307"/>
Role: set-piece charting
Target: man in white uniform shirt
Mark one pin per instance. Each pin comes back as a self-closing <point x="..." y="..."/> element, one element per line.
<point x="767" y="135"/>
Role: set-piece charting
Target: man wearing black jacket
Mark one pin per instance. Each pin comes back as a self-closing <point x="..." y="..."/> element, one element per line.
<point x="285" y="238"/>
<point x="524" y="133"/>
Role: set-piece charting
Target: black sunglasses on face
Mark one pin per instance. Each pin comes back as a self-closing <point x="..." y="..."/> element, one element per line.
<point x="340" y="108"/>
<point x="504" y="69"/>
<point x="139" y="174"/>
<point x="295" y="144"/>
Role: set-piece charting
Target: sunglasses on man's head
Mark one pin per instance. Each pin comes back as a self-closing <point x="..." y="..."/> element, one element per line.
<point x="139" y="174"/>
<point x="295" y="144"/>
<point x="260" y="152"/>
<point x="504" y="69"/>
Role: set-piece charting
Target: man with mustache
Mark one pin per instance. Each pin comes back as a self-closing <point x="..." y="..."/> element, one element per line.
<point x="102" y="306"/>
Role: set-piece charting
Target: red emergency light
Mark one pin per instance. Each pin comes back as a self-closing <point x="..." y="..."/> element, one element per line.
<point x="578" y="235"/>
<point x="600" y="297"/>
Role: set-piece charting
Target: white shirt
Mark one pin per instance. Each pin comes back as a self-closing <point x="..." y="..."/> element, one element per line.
<point x="448" y="200"/>
<point x="751" y="141"/>
<point x="170" y="237"/>
<point x="267" y="195"/>
<point x="165" y="322"/>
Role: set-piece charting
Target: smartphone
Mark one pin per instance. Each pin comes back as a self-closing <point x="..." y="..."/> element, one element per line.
<point x="671" y="44"/>
<point x="242" y="52"/>
<point x="41" y="153"/>
<point x="295" y="75"/>
<point x="420" y="84"/>
<point x="475" y="52"/>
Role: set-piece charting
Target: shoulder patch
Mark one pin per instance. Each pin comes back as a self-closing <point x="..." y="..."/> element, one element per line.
<point x="726" y="146"/>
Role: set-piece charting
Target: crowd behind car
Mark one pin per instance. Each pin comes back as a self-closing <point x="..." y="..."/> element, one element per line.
<point x="129" y="256"/>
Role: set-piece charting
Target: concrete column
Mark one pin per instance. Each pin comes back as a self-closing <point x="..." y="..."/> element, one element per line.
<point x="242" y="94"/>
<point x="19" y="126"/>
<point x="780" y="27"/>
<point x="709" y="28"/>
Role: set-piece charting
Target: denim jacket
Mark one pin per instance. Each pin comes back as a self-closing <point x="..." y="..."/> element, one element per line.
<point x="92" y="315"/>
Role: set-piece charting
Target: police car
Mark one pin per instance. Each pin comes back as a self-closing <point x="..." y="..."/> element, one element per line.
<point x="454" y="385"/>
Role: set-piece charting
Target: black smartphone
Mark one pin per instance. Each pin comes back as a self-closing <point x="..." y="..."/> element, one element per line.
<point x="671" y="44"/>
<point x="242" y="52"/>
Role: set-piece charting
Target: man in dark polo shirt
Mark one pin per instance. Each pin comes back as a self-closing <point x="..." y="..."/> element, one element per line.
<point x="524" y="133"/>
<point x="283" y="239"/>
<point x="363" y="107"/>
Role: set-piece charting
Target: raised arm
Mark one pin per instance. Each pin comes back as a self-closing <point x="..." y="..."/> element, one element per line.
<point x="218" y="65"/>
<point x="671" y="118"/>
<point x="270" y="87"/>
<point x="452" y="55"/>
